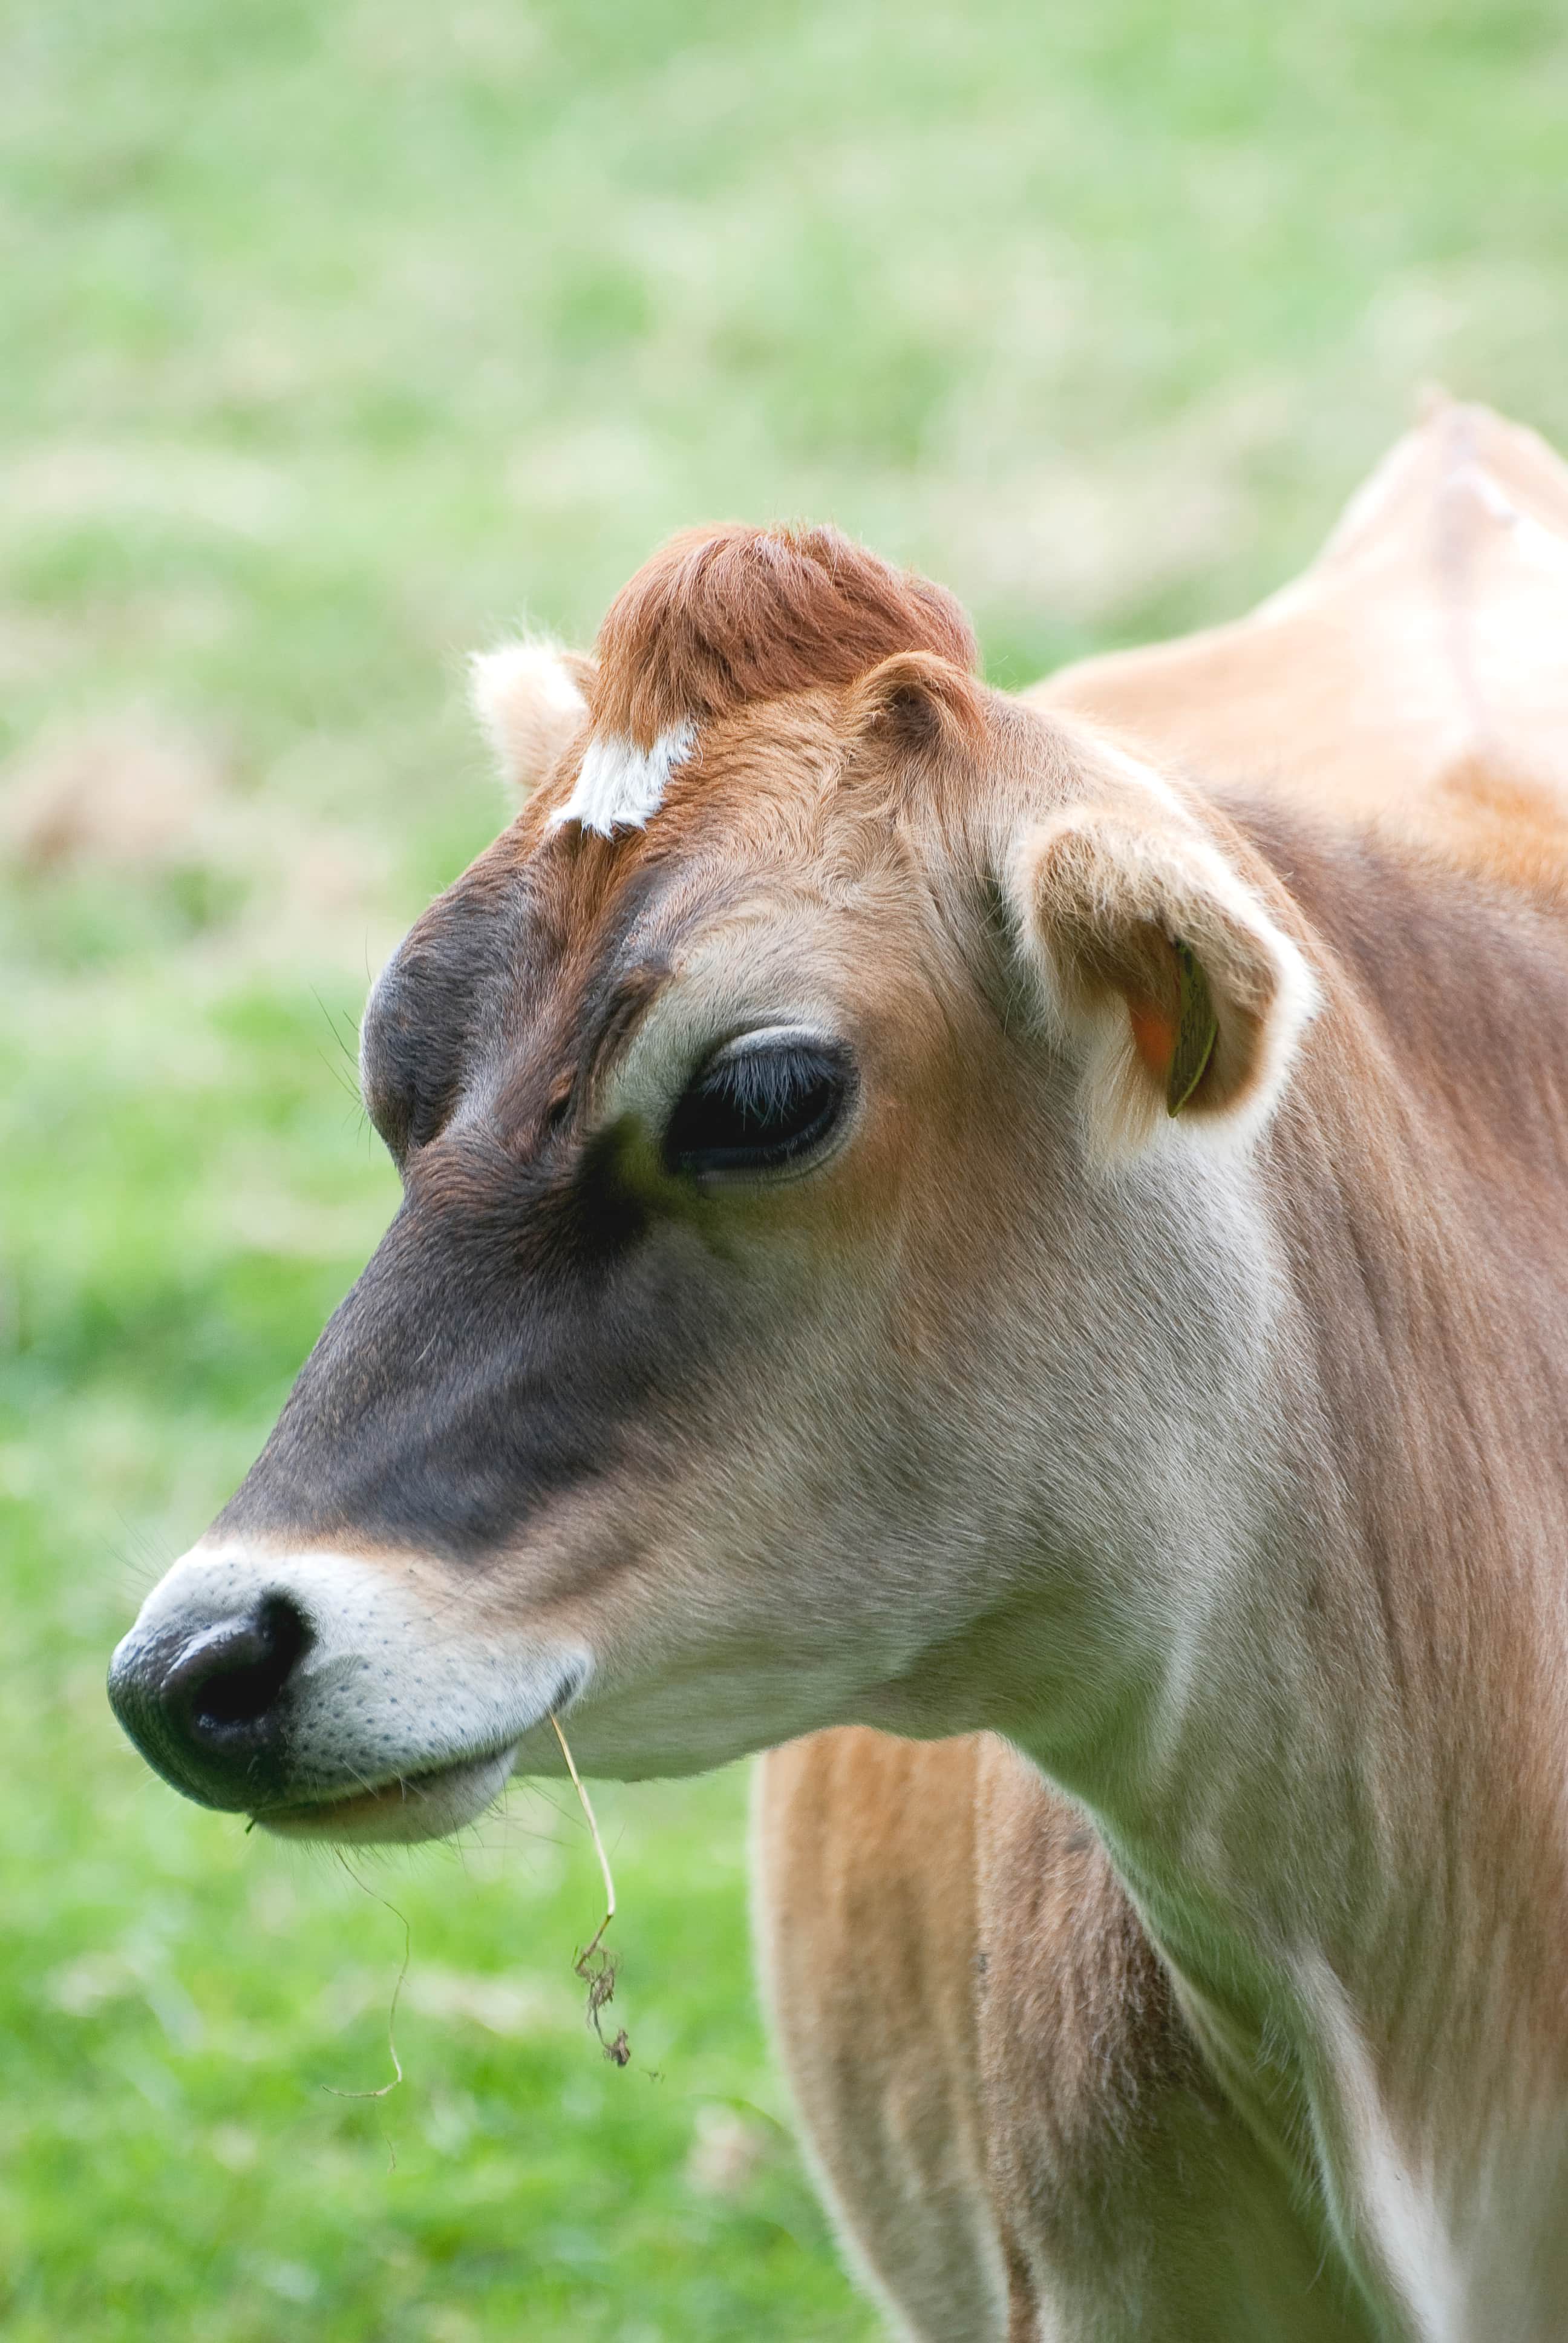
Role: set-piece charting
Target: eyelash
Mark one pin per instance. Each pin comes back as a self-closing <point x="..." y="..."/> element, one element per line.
<point x="758" y="1108"/>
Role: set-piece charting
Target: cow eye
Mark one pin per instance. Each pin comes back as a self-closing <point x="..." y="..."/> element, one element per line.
<point x="763" y="1104"/>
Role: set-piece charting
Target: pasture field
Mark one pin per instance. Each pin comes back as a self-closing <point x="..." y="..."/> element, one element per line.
<point x="336" y="337"/>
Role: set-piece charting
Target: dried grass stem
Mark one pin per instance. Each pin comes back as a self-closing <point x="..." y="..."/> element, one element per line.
<point x="593" y="1964"/>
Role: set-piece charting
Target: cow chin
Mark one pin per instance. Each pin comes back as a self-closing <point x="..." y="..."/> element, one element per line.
<point x="400" y="1813"/>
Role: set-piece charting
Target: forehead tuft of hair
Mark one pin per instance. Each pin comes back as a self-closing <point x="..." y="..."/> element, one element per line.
<point x="723" y="616"/>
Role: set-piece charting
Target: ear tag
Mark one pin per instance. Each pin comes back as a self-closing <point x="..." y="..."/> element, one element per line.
<point x="1197" y="1032"/>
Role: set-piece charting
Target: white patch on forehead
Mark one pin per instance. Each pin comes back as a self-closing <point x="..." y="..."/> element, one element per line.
<point x="622" y="785"/>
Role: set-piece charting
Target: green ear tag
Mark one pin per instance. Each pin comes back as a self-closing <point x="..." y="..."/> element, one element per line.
<point x="1196" y="1034"/>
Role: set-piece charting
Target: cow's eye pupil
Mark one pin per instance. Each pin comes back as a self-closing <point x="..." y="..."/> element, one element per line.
<point x="758" y="1107"/>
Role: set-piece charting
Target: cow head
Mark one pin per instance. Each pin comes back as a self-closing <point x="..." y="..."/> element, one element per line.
<point x="824" y="1119"/>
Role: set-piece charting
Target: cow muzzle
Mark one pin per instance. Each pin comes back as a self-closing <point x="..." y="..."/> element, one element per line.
<point x="324" y="1695"/>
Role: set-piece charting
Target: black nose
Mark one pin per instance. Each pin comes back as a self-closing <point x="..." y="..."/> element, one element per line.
<point x="210" y="1709"/>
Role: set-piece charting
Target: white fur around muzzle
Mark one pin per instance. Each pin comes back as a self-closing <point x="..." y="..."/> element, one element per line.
<point x="392" y="1688"/>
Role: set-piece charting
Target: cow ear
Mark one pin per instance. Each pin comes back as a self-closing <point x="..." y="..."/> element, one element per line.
<point x="1165" y="971"/>
<point x="531" y="700"/>
<point x="920" y="701"/>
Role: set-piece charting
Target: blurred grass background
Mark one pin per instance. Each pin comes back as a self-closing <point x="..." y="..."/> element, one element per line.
<point x="336" y="337"/>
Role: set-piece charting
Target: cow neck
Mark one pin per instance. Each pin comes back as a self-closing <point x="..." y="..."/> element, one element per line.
<point x="1344" y="1828"/>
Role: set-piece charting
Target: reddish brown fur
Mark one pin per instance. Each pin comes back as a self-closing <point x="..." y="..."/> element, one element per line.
<point x="721" y="616"/>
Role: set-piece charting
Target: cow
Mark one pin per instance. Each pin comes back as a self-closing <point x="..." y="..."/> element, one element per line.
<point x="1009" y="1252"/>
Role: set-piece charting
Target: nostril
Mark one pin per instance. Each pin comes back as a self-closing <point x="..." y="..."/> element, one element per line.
<point x="231" y="1678"/>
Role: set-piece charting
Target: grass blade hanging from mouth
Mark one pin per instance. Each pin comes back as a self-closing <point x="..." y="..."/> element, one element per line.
<point x="593" y="1964"/>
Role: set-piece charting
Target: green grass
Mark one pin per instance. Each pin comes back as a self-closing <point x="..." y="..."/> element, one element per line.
<point x="336" y="336"/>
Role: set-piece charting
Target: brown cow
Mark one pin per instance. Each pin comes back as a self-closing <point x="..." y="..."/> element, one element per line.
<point x="1031" y="1220"/>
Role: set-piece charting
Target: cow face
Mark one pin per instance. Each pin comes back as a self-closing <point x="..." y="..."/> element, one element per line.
<point x="764" y="1339"/>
